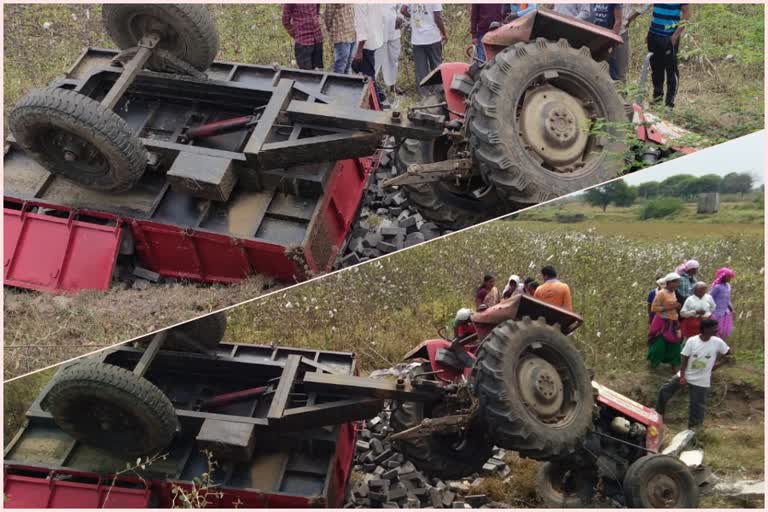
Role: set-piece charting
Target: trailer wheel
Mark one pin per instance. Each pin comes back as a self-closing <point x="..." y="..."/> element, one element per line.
<point x="205" y="332"/>
<point x="545" y="120"/>
<point x="73" y="136"/>
<point x="660" y="481"/>
<point x="534" y="389"/>
<point x="440" y="201"/>
<point x="187" y="31"/>
<point x="111" y="408"/>
<point x="447" y="456"/>
<point x="559" y="488"/>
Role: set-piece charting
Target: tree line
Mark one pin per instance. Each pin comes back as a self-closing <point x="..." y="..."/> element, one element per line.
<point x="682" y="186"/>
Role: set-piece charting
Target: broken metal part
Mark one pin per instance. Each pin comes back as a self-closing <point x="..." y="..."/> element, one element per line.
<point x="426" y="173"/>
<point x="430" y="426"/>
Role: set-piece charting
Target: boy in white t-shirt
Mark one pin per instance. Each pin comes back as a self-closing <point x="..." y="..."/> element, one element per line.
<point x="700" y="356"/>
<point x="428" y="36"/>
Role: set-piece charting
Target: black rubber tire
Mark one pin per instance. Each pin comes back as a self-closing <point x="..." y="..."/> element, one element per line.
<point x="207" y="331"/>
<point x="498" y="147"/>
<point x="84" y="388"/>
<point x="510" y="422"/>
<point x="436" y="455"/>
<point x="41" y="111"/>
<point x="645" y="468"/>
<point x="549" y="486"/>
<point x="193" y="36"/>
<point x="432" y="199"/>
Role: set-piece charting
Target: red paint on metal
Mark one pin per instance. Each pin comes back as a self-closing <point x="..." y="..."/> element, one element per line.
<point x="454" y="99"/>
<point x="49" y="491"/>
<point x="206" y="130"/>
<point x="646" y="132"/>
<point x="65" y="252"/>
<point x="646" y="416"/>
<point x="447" y="373"/>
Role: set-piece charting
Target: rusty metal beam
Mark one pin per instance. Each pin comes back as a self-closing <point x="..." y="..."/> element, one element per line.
<point x="332" y="413"/>
<point x="426" y="173"/>
<point x="277" y="104"/>
<point x="344" y="385"/>
<point x="149" y="354"/>
<point x="337" y="146"/>
<point x="284" y="387"/>
<point x="351" y="118"/>
<point x="131" y="69"/>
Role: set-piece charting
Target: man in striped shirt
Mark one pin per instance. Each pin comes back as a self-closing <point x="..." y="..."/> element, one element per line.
<point x="667" y="25"/>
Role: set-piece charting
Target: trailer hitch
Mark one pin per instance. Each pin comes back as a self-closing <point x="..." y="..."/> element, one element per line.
<point x="430" y="426"/>
<point x="426" y="173"/>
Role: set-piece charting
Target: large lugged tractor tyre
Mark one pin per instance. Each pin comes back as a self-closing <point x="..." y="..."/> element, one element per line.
<point x="435" y="201"/>
<point x="440" y="456"/>
<point x="493" y="126"/>
<point x="187" y="31"/>
<point x="111" y="408"/>
<point x="573" y="493"/>
<point x="207" y="332"/>
<point x="527" y="360"/>
<point x="660" y="481"/>
<point x="46" y="122"/>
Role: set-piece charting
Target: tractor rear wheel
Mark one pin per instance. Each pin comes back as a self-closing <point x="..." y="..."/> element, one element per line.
<point x="111" y="408"/>
<point x="442" y="202"/>
<point x="187" y="31"/>
<point x="559" y="486"/>
<point x="660" y="481"/>
<point x="447" y="456"/>
<point x="73" y="136"/>
<point x="545" y="120"/>
<point x="534" y="389"/>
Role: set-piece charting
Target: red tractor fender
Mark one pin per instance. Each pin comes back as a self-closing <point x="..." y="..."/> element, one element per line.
<point x="443" y="75"/>
<point x="427" y="351"/>
<point x="649" y="418"/>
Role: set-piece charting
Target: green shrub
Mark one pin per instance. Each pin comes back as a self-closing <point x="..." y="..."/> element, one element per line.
<point x="661" y="207"/>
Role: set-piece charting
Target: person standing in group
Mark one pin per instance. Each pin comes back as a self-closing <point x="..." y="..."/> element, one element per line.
<point x="687" y="272"/>
<point x="428" y="35"/>
<point x="664" y="331"/>
<point x="667" y="25"/>
<point x="340" y="26"/>
<point x="302" y="22"/>
<point x="480" y="18"/>
<point x="580" y="11"/>
<point x="652" y="295"/>
<point x="619" y="58"/>
<point x="513" y="287"/>
<point x="607" y="16"/>
<point x="487" y="294"/>
<point x="388" y="55"/>
<point x="700" y="356"/>
<point x="721" y="294"/>
<point x="553" y="291"/>
<point x="699" y="306"/>
<point x="370" y="37"/>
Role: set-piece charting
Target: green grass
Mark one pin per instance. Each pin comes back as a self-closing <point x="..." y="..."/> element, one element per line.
<point x="721" y="70"/>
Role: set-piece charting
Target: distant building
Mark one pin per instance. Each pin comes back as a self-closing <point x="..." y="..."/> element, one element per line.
<point x="709" y="202"/>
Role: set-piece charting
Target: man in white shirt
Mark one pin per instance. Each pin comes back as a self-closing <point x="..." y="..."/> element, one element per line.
<point x="388" y="55"/>
<point x="699" y="357"/>
<point x="619" y="59"/>
<point x="370" y="37"/>
<point x="580" y="11"/>
<point x="428" y="36"/>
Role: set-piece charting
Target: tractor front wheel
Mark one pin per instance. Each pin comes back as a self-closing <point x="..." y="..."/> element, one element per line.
<point x="559" y="486"/>
<point x="660" y="481"/>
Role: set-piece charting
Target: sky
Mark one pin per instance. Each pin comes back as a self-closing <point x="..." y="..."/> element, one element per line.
<point x="745" y="154"/>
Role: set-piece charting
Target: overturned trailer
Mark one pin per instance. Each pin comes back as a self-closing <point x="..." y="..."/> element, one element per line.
<point x="206" y="217"/>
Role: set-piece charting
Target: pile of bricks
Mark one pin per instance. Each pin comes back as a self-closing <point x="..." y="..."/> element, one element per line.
<point x="384" y="478"/>
<point x="387" y="222"/>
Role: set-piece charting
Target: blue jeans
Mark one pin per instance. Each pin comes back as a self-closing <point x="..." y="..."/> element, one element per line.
<point x="342" y="57"/>
<point x="479" y="46"/>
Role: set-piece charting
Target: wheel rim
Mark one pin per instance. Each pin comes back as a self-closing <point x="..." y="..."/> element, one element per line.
<point x="144" y="23"/>
<point x="663" y="491"/>
<point x="555" y="120"/>
<point x="104" y="419"/>
<point x="69" y="151"/>
<point x="545" y="385"/>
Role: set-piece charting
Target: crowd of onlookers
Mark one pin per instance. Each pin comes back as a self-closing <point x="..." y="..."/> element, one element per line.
<point x="689" y="323"/>
<point x="366" y="37"/>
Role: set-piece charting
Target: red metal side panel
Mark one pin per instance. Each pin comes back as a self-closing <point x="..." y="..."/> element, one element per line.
<point x="454" y="99"/>
<point x="58" y="253"/>
<point x="48" y="492"/>
<point x="201" y="256"/>
<point x="337" y="212"/>
<point x="342" y="467"/>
